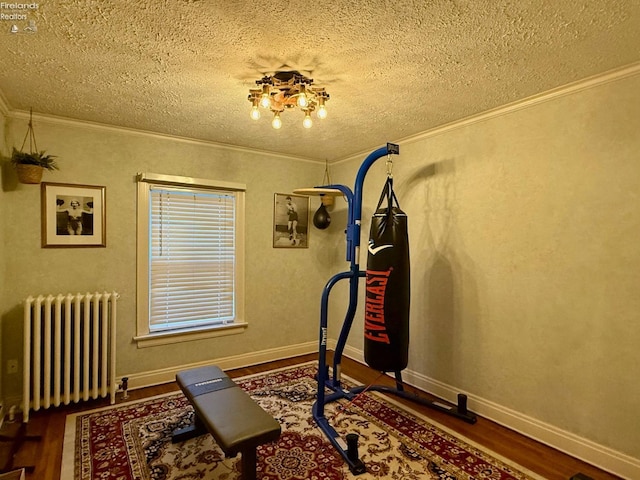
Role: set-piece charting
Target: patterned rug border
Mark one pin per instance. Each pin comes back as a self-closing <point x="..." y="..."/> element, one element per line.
<point x="69" y="441"/>
<point x="392" y="400"/>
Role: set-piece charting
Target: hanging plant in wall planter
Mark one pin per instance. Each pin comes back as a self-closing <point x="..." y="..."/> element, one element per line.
<point x="31" y="165"/>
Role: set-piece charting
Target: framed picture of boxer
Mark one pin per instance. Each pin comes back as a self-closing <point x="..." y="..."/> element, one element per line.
<point x="73" y="215"/>
<point x="290" y="221"/>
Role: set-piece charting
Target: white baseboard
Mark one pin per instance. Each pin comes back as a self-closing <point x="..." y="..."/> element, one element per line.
<point x="166" y="375"/>
<point x="602" y="457"/>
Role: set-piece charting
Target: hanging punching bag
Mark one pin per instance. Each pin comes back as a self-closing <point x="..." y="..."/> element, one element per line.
<point x="321" y="219"/>
<point x="386" y="321"/>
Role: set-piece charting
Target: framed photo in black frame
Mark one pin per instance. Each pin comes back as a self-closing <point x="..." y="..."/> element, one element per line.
<point x="73" y="215"/>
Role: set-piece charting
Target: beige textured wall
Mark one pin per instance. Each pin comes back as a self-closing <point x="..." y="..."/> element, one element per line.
<point x="4" y="152"/>
<point x="524" y="233"/>
<point x="281" y="284"/>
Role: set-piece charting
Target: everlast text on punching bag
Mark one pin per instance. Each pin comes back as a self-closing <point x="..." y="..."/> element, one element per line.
<point x="386" y="321"/>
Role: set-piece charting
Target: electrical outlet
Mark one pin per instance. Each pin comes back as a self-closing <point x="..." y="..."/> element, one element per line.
<point x="12" y="366"/>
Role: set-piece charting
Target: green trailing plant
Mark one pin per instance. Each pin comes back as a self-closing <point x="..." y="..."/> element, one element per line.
<point x="40" y="159"/>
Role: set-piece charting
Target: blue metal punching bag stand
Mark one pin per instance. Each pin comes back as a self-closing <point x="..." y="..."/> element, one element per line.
<point x="349" y="448"/>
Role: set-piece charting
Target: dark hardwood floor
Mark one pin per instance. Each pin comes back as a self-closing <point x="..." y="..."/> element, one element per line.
<point x="46" y="453"/>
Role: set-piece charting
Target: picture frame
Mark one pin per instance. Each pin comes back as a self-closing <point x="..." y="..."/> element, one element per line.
<point x="290" y="221"/>
<point x="73" y="215"/>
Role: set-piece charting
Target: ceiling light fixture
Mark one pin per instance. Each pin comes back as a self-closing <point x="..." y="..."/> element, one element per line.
<point x="287" y="90"/>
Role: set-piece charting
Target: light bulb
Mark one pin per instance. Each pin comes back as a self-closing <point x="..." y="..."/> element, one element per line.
<point x="255" y="113"/>
<point x="322" y="112"/>
<point x="265" y="101"/>
<point x="276" y="123"/>
<point x="307" y="122"/>
<point x="303" y="101"/>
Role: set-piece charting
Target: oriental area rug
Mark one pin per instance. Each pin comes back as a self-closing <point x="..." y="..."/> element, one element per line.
<point x="133" y="441"/>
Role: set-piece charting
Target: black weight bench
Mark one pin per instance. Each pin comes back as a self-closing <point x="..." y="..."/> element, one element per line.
<point x="236" y="422"/>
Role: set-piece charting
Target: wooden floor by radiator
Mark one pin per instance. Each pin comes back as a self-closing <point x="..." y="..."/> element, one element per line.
<point x="46" y="454"/>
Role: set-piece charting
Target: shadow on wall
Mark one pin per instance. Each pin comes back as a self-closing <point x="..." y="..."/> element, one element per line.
<point x="9" y="175"/>
<point x="444" y="287"/>
<point x="439" y="315"/>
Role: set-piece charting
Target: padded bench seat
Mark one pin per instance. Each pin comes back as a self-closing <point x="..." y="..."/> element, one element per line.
<point x="236" y="422"/>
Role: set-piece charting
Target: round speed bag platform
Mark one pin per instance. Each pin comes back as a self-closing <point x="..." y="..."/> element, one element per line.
<point x="387" y="285"/>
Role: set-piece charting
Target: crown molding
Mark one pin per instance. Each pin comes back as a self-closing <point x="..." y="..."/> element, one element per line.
<point x="70" y="122"/>
<point x="565" y="90"/>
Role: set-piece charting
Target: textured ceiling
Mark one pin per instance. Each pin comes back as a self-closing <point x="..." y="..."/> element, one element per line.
<point x="393" y="68"/>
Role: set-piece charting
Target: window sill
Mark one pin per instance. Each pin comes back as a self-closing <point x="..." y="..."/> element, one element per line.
<point x="167" y="338"/>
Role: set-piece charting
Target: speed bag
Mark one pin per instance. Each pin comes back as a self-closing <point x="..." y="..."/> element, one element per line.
<point x="386" y="320"/>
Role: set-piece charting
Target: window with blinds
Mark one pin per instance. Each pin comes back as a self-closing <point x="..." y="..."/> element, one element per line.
<point x="192" y="258"/>
<point x="193" y="248"/>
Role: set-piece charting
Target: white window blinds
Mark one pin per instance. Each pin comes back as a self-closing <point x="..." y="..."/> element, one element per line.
<point x="192" y="258"/>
